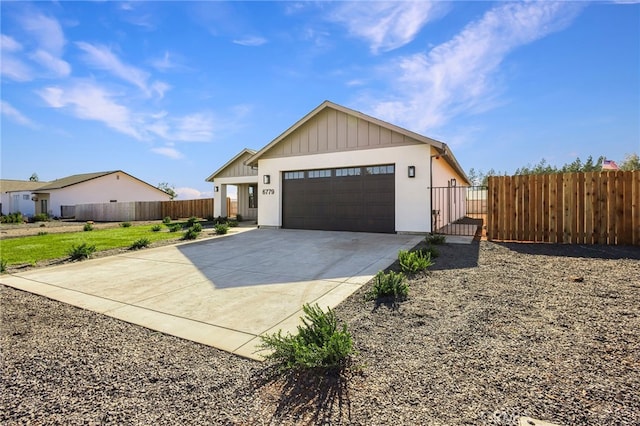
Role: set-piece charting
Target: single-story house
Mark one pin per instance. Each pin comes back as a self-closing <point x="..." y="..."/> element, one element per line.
<point x="16" y="196"/>
<point x="88" y="188"/>
<point x="340" y="169"/>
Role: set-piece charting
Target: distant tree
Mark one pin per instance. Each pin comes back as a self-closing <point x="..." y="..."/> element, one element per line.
<point x="34" y="178"/>
<point x="630" y="162"/>
<point x="169" y="189"/>
<point x="480" y="178"/>
<point x="575" y="166"/>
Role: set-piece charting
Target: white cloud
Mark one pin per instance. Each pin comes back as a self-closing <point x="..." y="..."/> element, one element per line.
<point x="458" y="76"/>
<point x="89" y="101"/>
<point x="47" y="32"/>
<point x="15" y="69"/>
<point x="102" y="57"/>
<point x="168" y="151"/>
<point x="196" y="127"/>
<point x="251" y="41"/>
<point x="386" y="25"/>
<point x="186" y="193"/>
<point x="9" y="44"/>
<point x="59" y="67"/>
<point x="50" y="39"/>
<point x="164" y="64"/>
<point x="10" y="112"/>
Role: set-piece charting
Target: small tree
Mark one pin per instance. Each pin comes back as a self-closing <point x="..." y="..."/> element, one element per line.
<point x="169" y="189"/>
<point x="630" y="162"/>
<point x="34" y="178"/>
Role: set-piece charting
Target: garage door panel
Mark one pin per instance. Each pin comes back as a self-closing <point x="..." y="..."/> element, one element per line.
<point x="364" y="202"/>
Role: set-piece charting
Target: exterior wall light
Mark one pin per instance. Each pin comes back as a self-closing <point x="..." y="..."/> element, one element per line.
<point x="217" y="189"/>
<point x="412" y="171"/>
<point x="266" y="179"/>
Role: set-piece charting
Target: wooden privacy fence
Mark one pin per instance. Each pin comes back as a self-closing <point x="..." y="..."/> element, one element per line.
<point x="112" y="212"/>
<point x="177" y="209"/>
<point x="146" y="210"/>
<point x="577" y="208"/>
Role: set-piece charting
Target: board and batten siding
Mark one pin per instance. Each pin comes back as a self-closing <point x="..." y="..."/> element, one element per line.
<point x="238" y="168"/>
<point x="335" y="131"/>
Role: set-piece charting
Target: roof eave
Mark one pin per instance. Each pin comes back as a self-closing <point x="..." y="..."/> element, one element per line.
<point x="228" y="163"/>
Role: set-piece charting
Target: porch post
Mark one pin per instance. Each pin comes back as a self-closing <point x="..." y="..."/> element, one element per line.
<point x="220" y="200"/>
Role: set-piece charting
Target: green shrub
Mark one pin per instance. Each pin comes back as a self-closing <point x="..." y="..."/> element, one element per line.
<point x="3" y="266"/>
<point x="430" y="251"/>
<point x="82" y="251"/>
<point x="191" y="221"/>
<point x="232" y="223"/>
<point x="41" y="217"/>
<point x="392" y="284"/>
<point x="210" y="218"/>
<point x="13" y="218"/>
<point x="166" y="220"/>
<point x="220" y="219"/>
<point x="125" y="224"/>
<point x="87" y="227"/>
<point x="43" y="233"/>
<point x="197" y="227"/>
<point x="221" y="228"/>
<point x="318" y="343"/>
<point x="190" y="234"/>
<point x="436" y="239"/>
<point x="175" y="227"/>
<point x="156" y="228"/>
<point x="239" y="217"/>
<point x="139" y="244"/>
<point x="414" y="261"/>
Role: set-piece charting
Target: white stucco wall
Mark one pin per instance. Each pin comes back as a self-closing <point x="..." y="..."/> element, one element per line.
<point x="412" y="194"/>
<point x="117" y="186"/>
<point x="12" y="205"/>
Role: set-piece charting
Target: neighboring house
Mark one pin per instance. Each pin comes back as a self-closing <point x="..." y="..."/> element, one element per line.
<point x="102" y="187"/>
<point x="16" y="196"/>
<point x="245" y="178"/>
<point x="339" y="169"/>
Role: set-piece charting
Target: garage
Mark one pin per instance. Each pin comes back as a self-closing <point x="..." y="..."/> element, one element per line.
<point x="360" y="199"/>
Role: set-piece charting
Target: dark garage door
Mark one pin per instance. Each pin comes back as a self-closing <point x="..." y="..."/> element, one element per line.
<point x="348" y="199"/>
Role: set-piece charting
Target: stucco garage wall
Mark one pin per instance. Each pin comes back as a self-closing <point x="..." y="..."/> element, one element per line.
<point x="411" y="194"/>
<point x="103" y="190"/>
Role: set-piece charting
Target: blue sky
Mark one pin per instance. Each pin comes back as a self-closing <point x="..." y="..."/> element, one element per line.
<point x="170" y="91"/>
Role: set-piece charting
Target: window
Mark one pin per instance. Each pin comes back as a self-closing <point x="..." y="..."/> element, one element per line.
<point x="253" y="196"/>
<point x="25" y="197"/>
<point x="381" y="170"/>
<point x="351" y="171"/>
<point x="293" y="175"/>
<point x="319" y="173"/>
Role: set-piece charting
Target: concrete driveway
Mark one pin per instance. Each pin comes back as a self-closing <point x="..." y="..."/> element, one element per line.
<point x="225" y="291"/>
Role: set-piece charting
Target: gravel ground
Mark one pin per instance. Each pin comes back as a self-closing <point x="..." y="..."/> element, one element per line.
<point x="492" y="332"/>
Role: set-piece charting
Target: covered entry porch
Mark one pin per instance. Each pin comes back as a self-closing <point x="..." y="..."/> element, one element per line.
<point x="235" y="173"/>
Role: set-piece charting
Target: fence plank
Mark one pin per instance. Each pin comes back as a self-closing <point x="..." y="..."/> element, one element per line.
<point x="544" y="235"/>
<point x="635" y="207"/>
<point x="588" y="207"/>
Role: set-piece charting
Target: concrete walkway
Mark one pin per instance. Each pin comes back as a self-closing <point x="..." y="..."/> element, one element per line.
<point x="226" y="291"/>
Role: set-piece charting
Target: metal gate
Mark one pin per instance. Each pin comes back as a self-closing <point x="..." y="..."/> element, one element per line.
<point x="458" y="210"/>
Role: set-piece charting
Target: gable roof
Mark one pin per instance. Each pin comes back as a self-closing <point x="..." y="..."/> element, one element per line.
<point x="440" y="147"/>
<point x="251" y="152"/>
<point x="11" y="185"/>
<point x="74" y="180"/>
<point x="80" y="178"/>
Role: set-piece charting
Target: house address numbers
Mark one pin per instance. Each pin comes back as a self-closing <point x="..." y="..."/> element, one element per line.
<point x="268" y="191"/>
